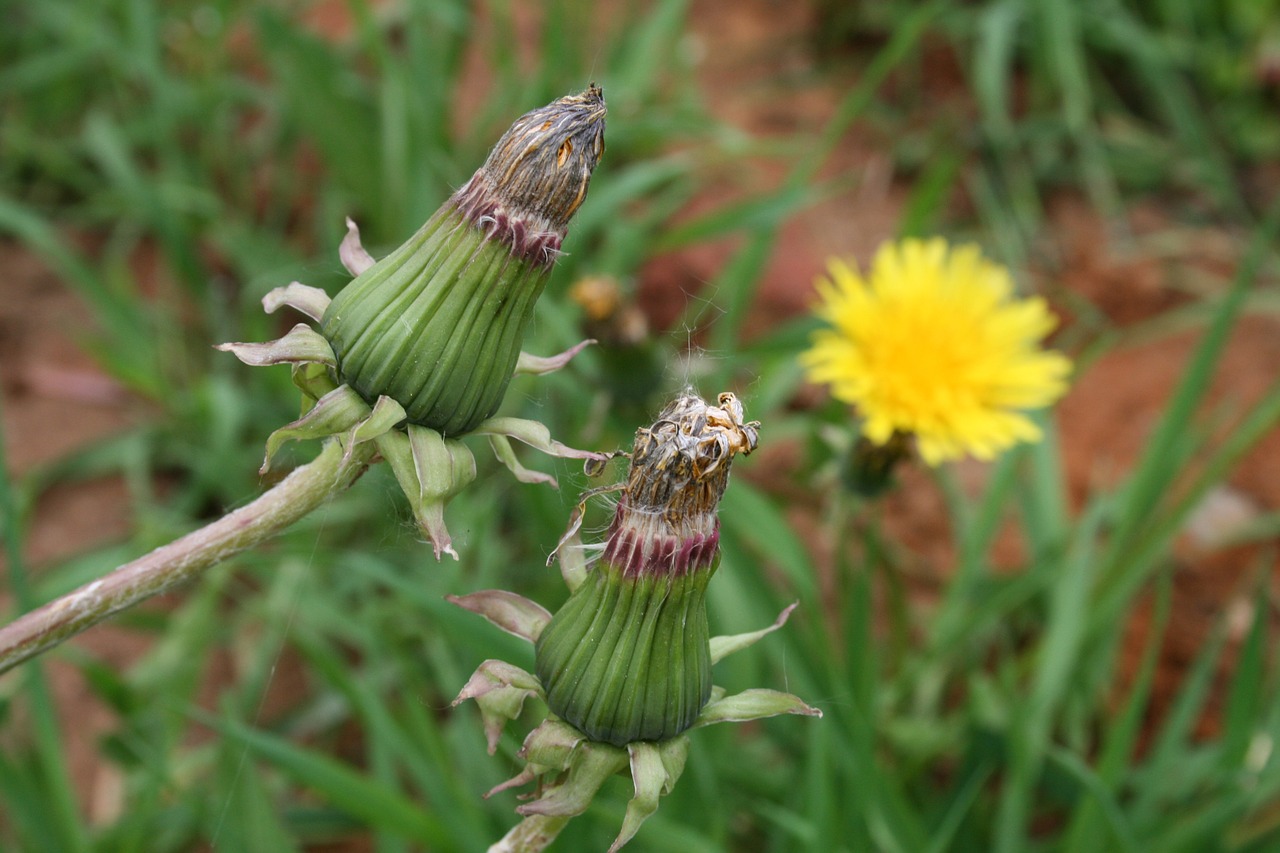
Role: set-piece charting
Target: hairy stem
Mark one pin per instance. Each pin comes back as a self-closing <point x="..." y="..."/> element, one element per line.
<point x="183" y="559"/>
<point x="531" y="835"/>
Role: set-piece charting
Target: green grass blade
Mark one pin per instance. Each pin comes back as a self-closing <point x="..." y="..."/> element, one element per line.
<point x="1085" y="831"/>
<point x="1121" y="835"/>
<point x="55" y="781"/>
<point x="1057" y="661"/>
<point x="378" y="805"/>
<point x="1153" y="476"/>
<point x="1247" y="694"/>
<point x="1167" y="773"/>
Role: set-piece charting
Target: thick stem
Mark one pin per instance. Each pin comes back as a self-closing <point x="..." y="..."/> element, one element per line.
<point x="531" y="835"/>
<point x="183" y="559"/>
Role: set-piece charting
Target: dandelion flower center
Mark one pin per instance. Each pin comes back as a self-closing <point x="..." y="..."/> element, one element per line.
<point x="932" y="343"/>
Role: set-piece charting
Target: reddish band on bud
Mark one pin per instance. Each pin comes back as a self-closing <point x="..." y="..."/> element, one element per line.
<point x="641" y="543"/>
<point x="537" y="176"/>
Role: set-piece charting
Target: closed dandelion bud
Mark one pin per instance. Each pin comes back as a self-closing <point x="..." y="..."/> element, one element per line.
<point x="632" y="362"/>
<point x="627" y="658"/>
<point x="437" y="324"/>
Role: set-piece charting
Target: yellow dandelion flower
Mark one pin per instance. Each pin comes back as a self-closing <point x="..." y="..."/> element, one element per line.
<point x="934" y="343"/>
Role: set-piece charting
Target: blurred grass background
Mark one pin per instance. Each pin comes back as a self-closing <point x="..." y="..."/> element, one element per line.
<point x="172" y="162"/>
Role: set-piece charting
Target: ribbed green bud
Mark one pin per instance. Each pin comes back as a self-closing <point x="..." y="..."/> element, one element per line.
<point x="437" y="325"/>
<point x="628" y="657"/>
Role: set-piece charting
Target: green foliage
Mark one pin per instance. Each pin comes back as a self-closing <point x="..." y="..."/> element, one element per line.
<point x="1105" y="96"/>
<point x="299" y="695"/>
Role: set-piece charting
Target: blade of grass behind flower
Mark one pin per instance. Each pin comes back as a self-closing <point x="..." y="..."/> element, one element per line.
<point x="1263" y="300"/>
<point x="966" y="795"/>
<point x="823" y="814"/>
<point x="330" y="104"/>
<point x="399" y="103"/>
<point x="625" y="186"/>
<point x="1057" y="659"/>
<point x="1087" y="828"/>
<point x="928" y="199"/>
<point x="993" y="65"/>
<point x="1260" y="830"/>
<point x="754" y="518"/>
<point x="1004" y="187"/>
<point x="1163" y="777"/>
<point x="1007" y="206"/>
<point x="380" y="806"/>
<point x="976" y="531"/>
<point x="804" y="657"/>
<point x="418" y="156"/>
<point x="248" y="818"/>
<point x="1250" y="692"/>
<point x="1110" y="810"/>
<point x="123" y="319"/>
<point x="387" y="745"/>
<point x="755" y="214"/>
<point x="1154" y="542"/>
<point x="30" y="814"/>
<point x="1043" y="498"/>
<point x="1063" y="43"/>
<point x="397" y="697"/>
<point x="403" y="740"/>
<point x="645" y="50"/>
<point x="1203" y="827"/>
<point x="1153" y="476"/>
<point x="563" y="49"/>
<point x="104" y="141"/>
<point x="891" y="821"/>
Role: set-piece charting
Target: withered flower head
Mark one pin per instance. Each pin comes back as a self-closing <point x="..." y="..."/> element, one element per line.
<point x="627" y="657"/>
<point x="666" y="519"/>
<point x="537" y="175"/>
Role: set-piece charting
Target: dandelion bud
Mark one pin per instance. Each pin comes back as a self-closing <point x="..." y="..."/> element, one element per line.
<point x="632" y="362"/>
<point x="628" y="656"/>
<point x="437" y="324"/>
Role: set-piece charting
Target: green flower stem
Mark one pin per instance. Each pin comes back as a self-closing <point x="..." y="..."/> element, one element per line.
<point x="531" y="835"/>
<point x="303" y="490"/>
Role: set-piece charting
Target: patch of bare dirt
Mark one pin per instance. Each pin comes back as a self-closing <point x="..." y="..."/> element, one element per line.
<point x="56" y="401"/>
